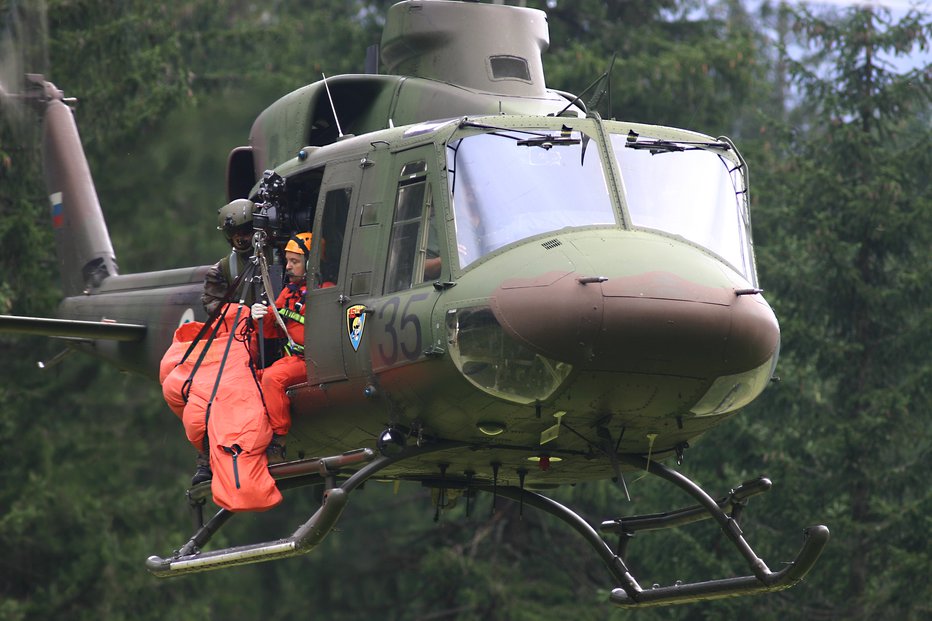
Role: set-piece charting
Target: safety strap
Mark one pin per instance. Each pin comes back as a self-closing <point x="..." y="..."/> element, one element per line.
<point x="258" y="382"/>
<point x="223" y="362"/>
<point x="186" y="387"/>
<point x="292" y="315"/>
<point x="234" y="265"/>
<point x="217" y="310"/>
<point x="213" y="322"/>
<point x="293" y="350"/>
<point x="257" y="289"/>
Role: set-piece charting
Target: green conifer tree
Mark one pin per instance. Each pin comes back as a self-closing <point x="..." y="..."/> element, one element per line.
<point x="844" y="223"/>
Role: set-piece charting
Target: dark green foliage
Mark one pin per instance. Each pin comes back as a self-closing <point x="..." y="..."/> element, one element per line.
<point x="675" y="65"/>
<point x="846" y="216"/>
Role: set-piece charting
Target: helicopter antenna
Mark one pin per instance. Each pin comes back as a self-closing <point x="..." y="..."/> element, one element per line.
<point x="332" y="107"/>
<point x="606" y="87"/>
<point x="578" y="98"/>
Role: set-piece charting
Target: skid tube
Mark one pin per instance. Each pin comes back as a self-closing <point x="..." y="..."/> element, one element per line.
<point x="190" y="559"/>
<point x="630" y="594"/>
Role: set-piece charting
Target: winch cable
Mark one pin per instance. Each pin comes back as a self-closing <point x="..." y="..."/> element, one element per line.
<point x="257" y="294"/>
<point x="267" y="283"/>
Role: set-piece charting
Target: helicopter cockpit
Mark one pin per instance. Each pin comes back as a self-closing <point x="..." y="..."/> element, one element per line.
<point x="510" y="184"/>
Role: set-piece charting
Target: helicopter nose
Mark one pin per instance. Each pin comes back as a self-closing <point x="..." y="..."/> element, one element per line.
<point x="657" y="323"/>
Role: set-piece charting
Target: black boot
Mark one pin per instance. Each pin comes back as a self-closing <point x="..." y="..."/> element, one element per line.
<point x="202" y="473"/>
<point x="276" y="449"/>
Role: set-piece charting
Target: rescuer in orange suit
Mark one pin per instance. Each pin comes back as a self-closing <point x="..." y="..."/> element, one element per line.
<point x="290" y="368"/>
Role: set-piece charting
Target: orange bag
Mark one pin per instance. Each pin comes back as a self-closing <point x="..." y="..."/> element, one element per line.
<point x="171" y="376"/>
<point x="189" y="403"/>
<point x="239" y="433"/>
<point x="238" y="424"/>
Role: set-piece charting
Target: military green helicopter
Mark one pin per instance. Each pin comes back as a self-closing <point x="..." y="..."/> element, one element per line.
<point x="525" y="295"/>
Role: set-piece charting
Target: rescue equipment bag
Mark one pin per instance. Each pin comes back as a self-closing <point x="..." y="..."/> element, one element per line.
<point x="231" y="411"/>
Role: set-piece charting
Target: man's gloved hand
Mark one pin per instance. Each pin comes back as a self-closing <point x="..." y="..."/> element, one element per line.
<point x="259" y="311"/>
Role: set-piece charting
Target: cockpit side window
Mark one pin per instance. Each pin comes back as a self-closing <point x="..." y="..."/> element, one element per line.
<point x="333" y="230"/>
<point x="302" y="195"/>
<point x="414" y="255"/>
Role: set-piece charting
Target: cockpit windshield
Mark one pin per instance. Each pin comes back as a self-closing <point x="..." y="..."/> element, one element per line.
<point x="508" y="185"/>
<point x="689" y="189"/>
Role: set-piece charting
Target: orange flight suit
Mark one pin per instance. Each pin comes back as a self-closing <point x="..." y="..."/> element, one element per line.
<point x="290" y="369"/>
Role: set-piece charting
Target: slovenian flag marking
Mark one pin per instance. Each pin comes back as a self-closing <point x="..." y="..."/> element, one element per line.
<point x="58" y="215"/>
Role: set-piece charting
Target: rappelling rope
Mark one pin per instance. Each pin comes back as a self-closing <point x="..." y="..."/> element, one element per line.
<point x="267" y="283"/>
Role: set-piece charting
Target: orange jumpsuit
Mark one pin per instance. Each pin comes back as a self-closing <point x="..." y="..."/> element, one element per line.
<point x="290" y="369"/>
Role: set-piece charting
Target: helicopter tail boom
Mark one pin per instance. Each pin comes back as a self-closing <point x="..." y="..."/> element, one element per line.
<point x="85" y="253"/>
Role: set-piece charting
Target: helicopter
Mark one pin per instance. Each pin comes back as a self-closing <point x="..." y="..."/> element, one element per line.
<point x="507" y="293"/>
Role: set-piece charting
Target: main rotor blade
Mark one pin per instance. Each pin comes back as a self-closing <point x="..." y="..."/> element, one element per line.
<point x="72" y="328"/>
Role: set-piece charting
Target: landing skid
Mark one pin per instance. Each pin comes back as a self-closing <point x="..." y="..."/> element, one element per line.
<point x="190" y="559"/>
<point x="725" y="511"/>
<point x="629" y="594"/>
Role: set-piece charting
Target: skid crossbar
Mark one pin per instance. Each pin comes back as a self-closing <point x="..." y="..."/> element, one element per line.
<point x="732" y="502"/>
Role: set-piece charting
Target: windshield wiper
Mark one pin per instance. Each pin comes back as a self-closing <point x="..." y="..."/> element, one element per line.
<point x="547" y="142"/>
<point x="536" y="139"/>
<point x="633" y="141"/>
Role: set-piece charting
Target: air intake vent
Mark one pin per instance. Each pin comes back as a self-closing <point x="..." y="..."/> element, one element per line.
<point x="509" y="67"/>
<point x="550" y="244"/>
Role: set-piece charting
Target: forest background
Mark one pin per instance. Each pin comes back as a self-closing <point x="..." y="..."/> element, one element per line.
<point x="832" y="112"/>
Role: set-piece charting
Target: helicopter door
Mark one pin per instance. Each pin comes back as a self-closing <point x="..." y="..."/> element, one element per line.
<point x="327" y="278"/>
<point x="361" y="275"/>
<point x="402" y="326"/>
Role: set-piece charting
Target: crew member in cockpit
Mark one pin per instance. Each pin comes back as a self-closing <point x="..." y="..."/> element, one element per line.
<point x="235" y="220"/>
<point x="290" y="368"/>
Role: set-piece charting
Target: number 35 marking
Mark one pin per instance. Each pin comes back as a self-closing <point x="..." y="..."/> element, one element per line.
<point x="398" y="338"/>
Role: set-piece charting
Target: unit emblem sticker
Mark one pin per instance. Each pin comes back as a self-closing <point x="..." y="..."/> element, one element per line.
<point x="355" y="323"/>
